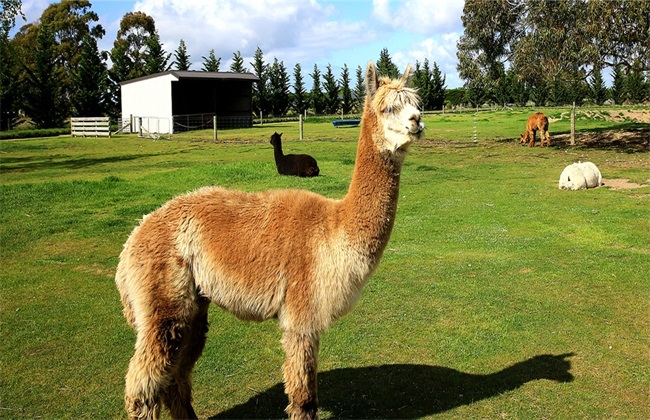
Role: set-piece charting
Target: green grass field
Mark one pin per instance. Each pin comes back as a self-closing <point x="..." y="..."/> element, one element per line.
<point x="499" y="295"/>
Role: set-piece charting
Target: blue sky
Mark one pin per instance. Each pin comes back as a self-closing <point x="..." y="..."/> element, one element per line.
<point x="308" y="32"/>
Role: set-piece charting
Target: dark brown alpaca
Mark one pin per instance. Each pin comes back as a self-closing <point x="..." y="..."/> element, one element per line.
<point x="292" y="255"/>
<point x="300" y="165"/>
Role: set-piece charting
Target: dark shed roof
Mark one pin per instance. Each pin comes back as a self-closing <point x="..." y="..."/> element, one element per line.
<point x="199" y="75"/>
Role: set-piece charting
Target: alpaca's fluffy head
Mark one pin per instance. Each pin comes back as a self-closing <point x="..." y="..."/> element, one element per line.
<point x="397" y="109"/>
<point x="276" y="138"/>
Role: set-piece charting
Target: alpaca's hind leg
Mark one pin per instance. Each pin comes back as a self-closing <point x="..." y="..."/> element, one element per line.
<point x="149" y="373"/>
<point x="300" y="370"/>
<point x="178" y="396"/>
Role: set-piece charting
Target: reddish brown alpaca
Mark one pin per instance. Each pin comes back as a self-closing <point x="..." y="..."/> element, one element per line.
<point x="286" y="254"/>
<point x="537" y="121"/>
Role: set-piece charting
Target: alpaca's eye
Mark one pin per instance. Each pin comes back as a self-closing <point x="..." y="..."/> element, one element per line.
<point x="388" y="110"/>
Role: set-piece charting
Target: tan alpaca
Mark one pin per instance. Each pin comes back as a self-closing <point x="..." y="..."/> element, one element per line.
<point x="536" y="122"/>
<point x="286" y="254"/>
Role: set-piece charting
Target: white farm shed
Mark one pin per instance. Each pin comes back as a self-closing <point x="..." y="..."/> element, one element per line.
<point x="173" y="100"/>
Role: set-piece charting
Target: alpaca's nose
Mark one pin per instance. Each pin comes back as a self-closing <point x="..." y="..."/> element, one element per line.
<point x="416" y="120"/>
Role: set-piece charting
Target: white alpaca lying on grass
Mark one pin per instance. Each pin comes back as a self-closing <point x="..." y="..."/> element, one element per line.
<point x="580" y="176"/>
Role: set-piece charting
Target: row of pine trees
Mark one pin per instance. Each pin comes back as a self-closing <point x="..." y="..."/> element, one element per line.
<point x="53" y="69"/>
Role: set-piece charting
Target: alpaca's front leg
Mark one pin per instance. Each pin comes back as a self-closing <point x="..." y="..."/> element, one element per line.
<point x="300" y="369"/>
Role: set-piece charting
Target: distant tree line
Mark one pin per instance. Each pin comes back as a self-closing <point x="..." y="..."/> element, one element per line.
<point x="511" y="52"/>
<point x="52" y="69"/>
<point x="554" y="51"/>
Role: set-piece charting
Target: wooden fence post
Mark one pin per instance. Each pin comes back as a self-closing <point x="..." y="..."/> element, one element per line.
<point x="300" y="121"/>
<point x="475" y="130"/>
<point x="573" y="124"/>
<point x="214" y="127"/>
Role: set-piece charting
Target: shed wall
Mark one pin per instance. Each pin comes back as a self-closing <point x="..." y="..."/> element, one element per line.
<point x="149" y="98"/>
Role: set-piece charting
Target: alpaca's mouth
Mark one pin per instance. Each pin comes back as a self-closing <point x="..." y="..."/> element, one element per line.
<point x="418" y="129"/>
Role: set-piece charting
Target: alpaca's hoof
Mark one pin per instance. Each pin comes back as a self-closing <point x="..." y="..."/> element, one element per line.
<point x="136" y="408"/>
<point x="308" y="411"/>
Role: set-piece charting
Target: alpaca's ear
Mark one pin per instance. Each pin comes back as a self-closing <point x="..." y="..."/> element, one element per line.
<point x="372" y="81"/>
<point x="406" y="77"/>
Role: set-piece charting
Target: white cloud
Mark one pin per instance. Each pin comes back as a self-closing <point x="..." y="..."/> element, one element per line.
<point x="439" y="49"/>
<point x="442" y="48"/>
<point x="32" y="9"/>
<point x="423" y="16"/>
<point x="279" y="28"/>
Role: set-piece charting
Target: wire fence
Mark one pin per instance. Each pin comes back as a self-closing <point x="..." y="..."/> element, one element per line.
<point x="475" y="126"/>
<point x="190" y="122"/>
<point x="157" y="127"/>
<point x="153" y="127"/>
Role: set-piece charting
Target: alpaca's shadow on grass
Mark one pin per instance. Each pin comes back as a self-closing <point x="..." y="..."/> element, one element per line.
<point x="405" y="391"/>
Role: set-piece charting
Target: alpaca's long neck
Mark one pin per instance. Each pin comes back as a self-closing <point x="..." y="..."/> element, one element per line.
<point x="277" y="152"/>
<point x="371" y="203"/>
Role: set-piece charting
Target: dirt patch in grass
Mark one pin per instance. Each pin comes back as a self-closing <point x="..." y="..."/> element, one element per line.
<point x="637" y="115"/>
<point x="622" y="184"/>
<point x="616" y="115"/>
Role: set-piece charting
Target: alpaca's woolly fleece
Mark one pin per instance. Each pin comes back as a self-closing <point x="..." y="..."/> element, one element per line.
<point x="298" y="165"/>
<point x="536" y="122"/>
<point x="292" y="255"/>
<point x="580" y="176"/>
<point x="592" y="174"/>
